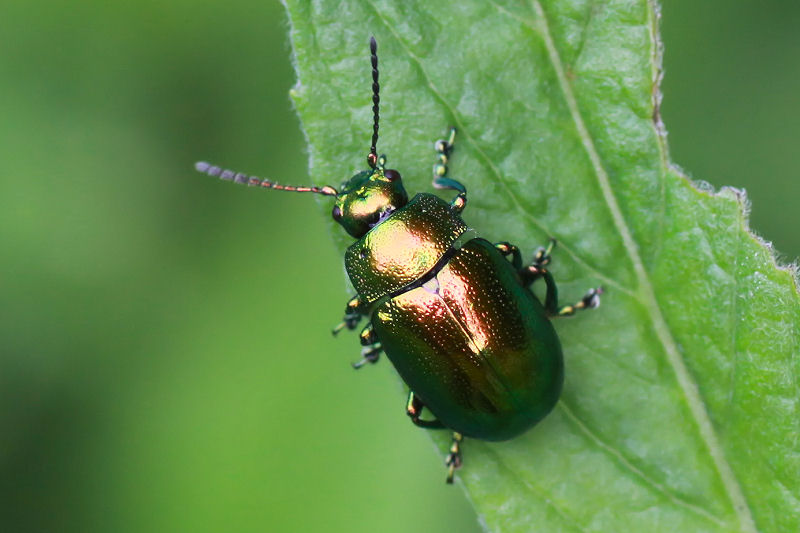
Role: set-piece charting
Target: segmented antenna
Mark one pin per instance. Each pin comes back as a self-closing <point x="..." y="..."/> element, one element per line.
<point x="372" y="158"/>
<point x="255" y="181"/>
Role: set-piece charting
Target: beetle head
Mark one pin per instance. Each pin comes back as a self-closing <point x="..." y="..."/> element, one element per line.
<point x="368" y="198"/>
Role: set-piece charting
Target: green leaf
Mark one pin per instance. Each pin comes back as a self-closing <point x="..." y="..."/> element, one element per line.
<point x="680" y="407"/>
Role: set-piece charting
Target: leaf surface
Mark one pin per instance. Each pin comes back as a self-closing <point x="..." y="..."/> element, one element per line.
<point x="680" y="406"/>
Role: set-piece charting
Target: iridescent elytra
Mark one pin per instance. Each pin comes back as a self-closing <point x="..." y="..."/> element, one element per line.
<point x="454" y="313"/>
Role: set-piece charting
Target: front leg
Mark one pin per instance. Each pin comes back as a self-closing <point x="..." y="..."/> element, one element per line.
<point x="443" y="148"/>
<point x="356" y="310"/>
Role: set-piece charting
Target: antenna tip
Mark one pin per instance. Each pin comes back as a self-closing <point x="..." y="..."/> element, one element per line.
<point x="373" y="44"/>
<point x="201" y="166"/>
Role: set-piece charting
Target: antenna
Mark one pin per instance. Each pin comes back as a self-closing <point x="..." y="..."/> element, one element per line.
<point x="254" y="181"/>
<point x="372" y="158"/>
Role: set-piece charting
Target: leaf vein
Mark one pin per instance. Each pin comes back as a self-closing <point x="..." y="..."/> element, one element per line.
<point x="674" y="357"/>
<point x="655" y="96"/>
<point x="623" y="460"/>
<point x="464" y="134"/>
<point x="536" y="491"/>
<point x="734" y="319"/>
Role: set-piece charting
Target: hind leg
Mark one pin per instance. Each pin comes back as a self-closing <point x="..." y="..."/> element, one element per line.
<point x="414" y="410"/>
<point x="454" y="460"/>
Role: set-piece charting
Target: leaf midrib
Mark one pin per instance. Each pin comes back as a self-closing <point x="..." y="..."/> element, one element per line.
<point x="465" y="135"/>
<point x="646" y="293"/>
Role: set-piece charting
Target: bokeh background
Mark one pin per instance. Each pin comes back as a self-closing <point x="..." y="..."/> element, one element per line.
<point x="165" y="358"/>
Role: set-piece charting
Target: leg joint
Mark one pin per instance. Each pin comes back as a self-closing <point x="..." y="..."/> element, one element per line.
<point x="368" y="336"/>
<point x="414" y="410"/>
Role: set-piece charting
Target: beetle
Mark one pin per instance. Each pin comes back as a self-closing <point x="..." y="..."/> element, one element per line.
<point x="454" y="313"/>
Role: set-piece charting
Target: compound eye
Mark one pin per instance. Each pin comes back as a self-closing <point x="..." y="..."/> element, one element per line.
<point x="337" y="213"/>
<point x="391" y="175"/>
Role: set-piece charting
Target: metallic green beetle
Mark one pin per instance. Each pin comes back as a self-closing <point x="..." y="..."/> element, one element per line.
<point x="454" y="315"/>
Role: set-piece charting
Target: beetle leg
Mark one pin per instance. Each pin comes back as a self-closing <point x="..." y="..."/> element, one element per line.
<point x="454" y="457"/>
<point x="414" y="410"/>
<point x="372" y="348"/>
<point x="537" y="270"/>
<point x="542" y="256"/>
<point x="369" y="354"/>
<point x="368" y="336"/>
<point x="532" y="273"/>
<point x="443" y="148"/>
<point x="353" y="314"/>
<point x="507" y="249"/>
<point x="590" y="300"/>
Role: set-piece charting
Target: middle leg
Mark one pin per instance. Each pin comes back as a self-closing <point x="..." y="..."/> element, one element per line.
<point x="371" y="347"/>
<point x="537" y="270"/>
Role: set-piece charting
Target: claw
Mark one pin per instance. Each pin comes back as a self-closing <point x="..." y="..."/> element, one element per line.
<point x="592" y="298"/>
<point x="369" y="354"/>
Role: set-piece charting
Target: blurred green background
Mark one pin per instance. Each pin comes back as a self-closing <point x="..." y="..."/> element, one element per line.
<point x="166" y="359"/>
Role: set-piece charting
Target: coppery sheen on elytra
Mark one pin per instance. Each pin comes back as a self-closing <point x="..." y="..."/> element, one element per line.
<point x="453" y="312"/>
<point x="465" y="335"/>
